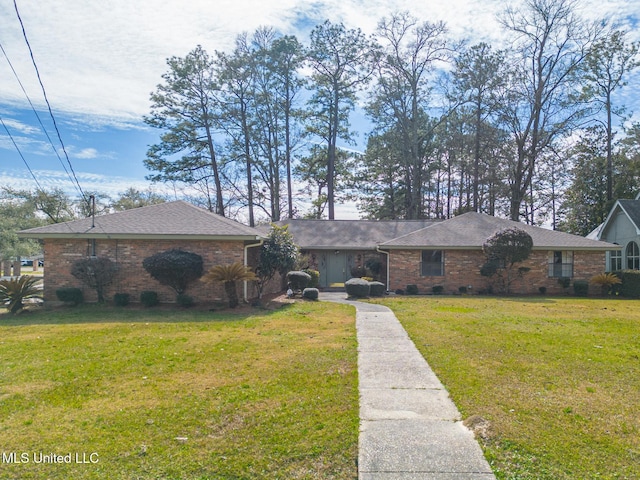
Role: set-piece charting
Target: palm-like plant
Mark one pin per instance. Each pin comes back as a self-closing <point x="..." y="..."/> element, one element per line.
<point x="606" y="281"/>
<point x="229" y="275"/>
<point x="14" y="291"/>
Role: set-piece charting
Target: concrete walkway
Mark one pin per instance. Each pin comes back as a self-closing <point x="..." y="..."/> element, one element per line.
<point x="409" y="428"/>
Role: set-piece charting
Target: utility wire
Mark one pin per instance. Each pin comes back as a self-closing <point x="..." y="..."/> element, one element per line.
<point x="55" y="150"/>
<point x="44" y="92"/>
<point x="20" y="153"/>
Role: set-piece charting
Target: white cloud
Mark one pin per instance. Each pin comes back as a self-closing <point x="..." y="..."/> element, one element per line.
<point x="104" y="58"/>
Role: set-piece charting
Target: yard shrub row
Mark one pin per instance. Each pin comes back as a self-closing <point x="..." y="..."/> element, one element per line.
<point x="361" y="288"/>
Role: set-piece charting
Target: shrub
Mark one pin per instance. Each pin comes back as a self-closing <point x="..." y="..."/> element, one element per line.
<point x="315" y="277"/>
<point x="399" y="291"/>
<point x="121" y="299"/>
<point x="412" y="289"/>
<point x="630" y="286"/>
<point x="564" y="282"/>
<point x="606" y="281"/>
<point x="174" y="268"/>
<point x="96" y="273"/>
<point x="462" y="289"/>
<point x="542" y="290"/>
<point x="358" y="271"/>
<point x="298" y="279"/>
<point x="149" y="298"/>
<point x="377" y="289"/>
<point x="14" y="291"/>
<point x="437" y="289"/>
<point x="581" y="288"/>
<point x="230" y="275"/>
<point x="71" y="295"/>
<point x="374" y="265"/>
<point x="310" y="293"/>
<point x="185" y="300"/>
<point x="356" y="287"/>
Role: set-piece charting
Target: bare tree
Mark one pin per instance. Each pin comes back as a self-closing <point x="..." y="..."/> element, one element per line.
<point x="550" y="43"/>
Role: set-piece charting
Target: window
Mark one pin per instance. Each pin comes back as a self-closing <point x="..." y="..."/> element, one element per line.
<point x="432" y="263"/>
<point x="615" y="260"/>
<point x="633" y="256"/>
<point x="560" y="264"/>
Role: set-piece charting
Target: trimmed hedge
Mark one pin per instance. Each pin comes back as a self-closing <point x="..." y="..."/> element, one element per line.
<point x="149" y="298"/>
<point x="581" y="288"/>
<point x="630" y="286"/>
<point x="377" y="289"/>
<point x="70" y="295"/>
<point x="310" y="293"/>
<point x="298" y="280"/>
<point x="185" y="300"/>
<point x="357" y="287"/>
<point x="412" y="289"/>
<point x="121" y="299"/>
<point x="437" y="289"/>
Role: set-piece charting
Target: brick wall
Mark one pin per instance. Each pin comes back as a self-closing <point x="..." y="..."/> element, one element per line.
<point x="462" y="268"/>
<point x="132" y="278"/>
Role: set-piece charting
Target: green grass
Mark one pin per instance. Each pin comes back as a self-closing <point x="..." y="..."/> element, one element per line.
<point x="175" y="394"/>
<point x="558" y="379"/>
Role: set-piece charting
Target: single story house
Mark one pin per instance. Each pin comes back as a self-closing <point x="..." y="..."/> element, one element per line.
<point x="128" y="237"/>
<point x="446" y="253"/>
<point x="622" y="227"/>
<point x="339" y="249"/>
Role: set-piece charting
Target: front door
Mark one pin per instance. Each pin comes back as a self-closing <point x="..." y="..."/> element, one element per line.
<point x="334" y="269"/>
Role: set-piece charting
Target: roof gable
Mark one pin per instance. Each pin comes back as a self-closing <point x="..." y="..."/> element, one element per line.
<point x="631" y="208"/>
<point x="171" y="219"/>
<point x="471" y="230"/>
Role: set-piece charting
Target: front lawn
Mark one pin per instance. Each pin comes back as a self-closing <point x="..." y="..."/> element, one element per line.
<point x="179" y="394"/>
<point x="557" y="379"/>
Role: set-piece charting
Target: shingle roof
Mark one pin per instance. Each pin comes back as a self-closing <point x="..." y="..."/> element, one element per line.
<point x="166" y="220"/>
<point x="632" y="208"/>
<point x="471" y="230"/>
<point x="349" y="234"/>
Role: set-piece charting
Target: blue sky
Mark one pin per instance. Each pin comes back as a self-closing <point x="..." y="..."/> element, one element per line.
<point x="99" y="61"/>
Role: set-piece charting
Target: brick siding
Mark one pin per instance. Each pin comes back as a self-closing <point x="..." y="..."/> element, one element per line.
<point x="462" y="269"/>
<point x="132" y="278"/>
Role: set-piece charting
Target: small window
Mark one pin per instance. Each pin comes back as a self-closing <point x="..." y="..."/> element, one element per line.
<point x="615" y="260"/>
<point x="633" y="256"/>
<point x="432" y="263"/>
<point x="560" y="264"/>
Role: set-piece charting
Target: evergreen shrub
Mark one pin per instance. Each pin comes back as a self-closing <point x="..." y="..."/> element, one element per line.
<point x="412" y="289"/>
<point x="630" y="286"/>
<point x="298" y="279"/>
<point x="149" y="298"/>
<point x="121" y="299"/>
<point x="310" y="293"/>
<point x="377" y="289"/>
<point x="71" y="295"/>
<point x="356" y="287"/>
<point x="581" y="288"/>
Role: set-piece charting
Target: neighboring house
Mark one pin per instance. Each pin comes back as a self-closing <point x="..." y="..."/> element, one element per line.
<point x="622" y="227"/>
<point x="336" y="248"/>
<point x="450" y="254"/>
<point x="128" y="237"/>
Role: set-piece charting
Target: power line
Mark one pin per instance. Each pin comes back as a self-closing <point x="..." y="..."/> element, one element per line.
<point x="55" y="150"/>
<point x="20" y="153"/>
<point x="44" y="92"/>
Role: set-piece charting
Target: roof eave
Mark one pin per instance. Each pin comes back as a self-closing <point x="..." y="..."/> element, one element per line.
<point x="125" y="236"/>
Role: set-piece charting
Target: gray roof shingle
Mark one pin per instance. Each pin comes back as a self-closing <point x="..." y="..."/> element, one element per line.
<point x="167" y="220"/>
<point x="349" y="234"/>
<point x="471" y="230"/>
